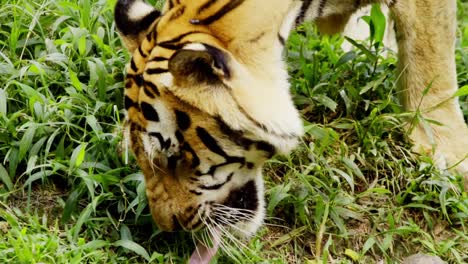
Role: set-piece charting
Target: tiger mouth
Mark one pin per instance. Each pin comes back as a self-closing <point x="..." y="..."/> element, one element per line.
<point x="239" y="208"/>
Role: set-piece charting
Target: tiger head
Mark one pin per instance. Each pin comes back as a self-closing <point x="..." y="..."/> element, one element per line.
<point x="207" y="103"/>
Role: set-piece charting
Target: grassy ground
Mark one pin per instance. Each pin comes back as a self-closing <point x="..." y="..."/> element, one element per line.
<point x="352" y="193"/>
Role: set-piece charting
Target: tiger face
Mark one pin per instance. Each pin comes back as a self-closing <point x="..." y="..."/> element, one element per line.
<point x="207" y="104"/>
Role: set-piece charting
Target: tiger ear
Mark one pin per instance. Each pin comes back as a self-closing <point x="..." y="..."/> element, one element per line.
<point x="204" y="64"/>
<point x="134" y="19"/>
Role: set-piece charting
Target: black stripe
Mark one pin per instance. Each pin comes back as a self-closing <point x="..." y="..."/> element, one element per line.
<point x="267" y="147"/>
<point x="165" y="144"/>
<point x="195" y="192"/>
<point x="156" y="71"/>
<point x="392" y="3"/>
<point x="180" y="137"/>
<point x="172" y="162"/>
<point x="148" y="92"/>
<point x="230" y="160"/>
<point x="206" y="6"/>
<point x="197" y="224"/>
<point x="149" y="36"/>
<point x="128" y="84"/>
<point x="153" y="87"/>
<point x="194" y="213"/>
<point x="137" y="78"/>
<point x="133" y="65"/>
<point x="305" y="6"/>
<point x="210" y="142"/>
<point x="217" y="186"/>
<point x="223" y="11"/>
<point x="172" y="46"/>
<point x="170" y="4"/>
<point x="235" y="136"/>
<point x="321" y="7"/>
<point x="175" y="40"/>
<point x="183" y="120"/>
<point x="149" y="112"/>
<point x="128" y="102"/>
<point x="155" y="32"/>
<point x="159" y="59"/>
<point x="142" y="53"/>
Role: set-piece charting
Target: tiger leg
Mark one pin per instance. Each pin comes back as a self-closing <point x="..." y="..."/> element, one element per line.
<point x="426" y="32"/>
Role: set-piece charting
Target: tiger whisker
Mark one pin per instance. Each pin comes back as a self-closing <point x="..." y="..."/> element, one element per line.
<point x="227" y="247"/>
<point x="233" y="226"/>
<point x="234" y="215"/>
<point x="231" y="237"/>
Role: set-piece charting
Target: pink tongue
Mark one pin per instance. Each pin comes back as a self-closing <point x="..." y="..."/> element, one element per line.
<point x="203" y="254"/>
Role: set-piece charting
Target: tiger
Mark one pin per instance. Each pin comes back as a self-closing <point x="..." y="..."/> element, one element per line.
<point x="208" y="101"/>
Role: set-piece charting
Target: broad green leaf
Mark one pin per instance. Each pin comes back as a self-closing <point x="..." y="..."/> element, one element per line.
<point x="348" y="56"/>
<point x="348" y="178"/>
<point x="125" y="233"/>
<point x="82" y="45"/>
<point x="379" y="23"/>
<point x="13" y="160"/>
<point x="94" y="124"/>
<point x="26" y="141"/>
<point x="132" y="246"/>
<point x="462" y="91"/>
<point x="277" y="194"/>
<point x="71" y="203"/>
<point x="368" y="245"/>
<point x="373" y="85"/>
<point x="74" y="80"/>
<point x="78" y="155"/>
<point x="354" y="168"/>
<point x="5" y="178"/>
<point x="365" y="50"/>
<point x="326" y="101"/>
<point x="96" y="244"/>
<point x="38" y="175"/>
<point x="84" y="217"/>
<point x="3" y="102"/>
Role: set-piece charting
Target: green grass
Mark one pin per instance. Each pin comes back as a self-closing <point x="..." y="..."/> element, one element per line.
<point x="351" y="193"/>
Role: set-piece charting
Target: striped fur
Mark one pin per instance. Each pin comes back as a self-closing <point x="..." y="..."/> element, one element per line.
<point x="207" y="99"/>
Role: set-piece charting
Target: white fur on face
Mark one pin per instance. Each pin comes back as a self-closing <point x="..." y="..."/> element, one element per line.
<point x="139" y="10"/>
<point x="290" y="20"/>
